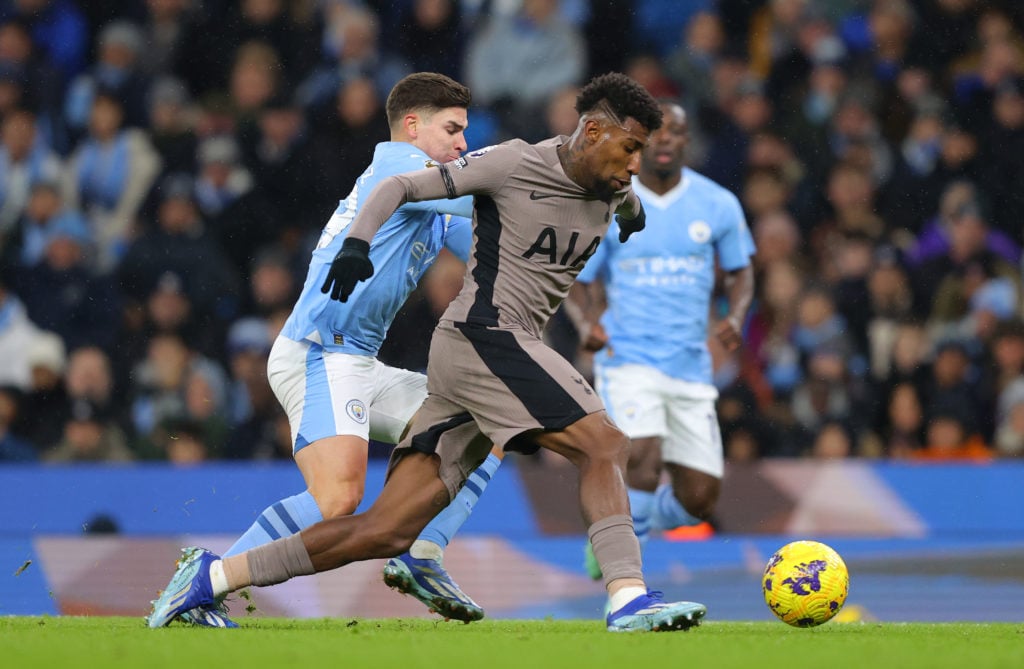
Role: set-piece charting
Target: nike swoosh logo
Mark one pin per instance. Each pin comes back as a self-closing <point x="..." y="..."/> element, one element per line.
<point x="534" y="195"/>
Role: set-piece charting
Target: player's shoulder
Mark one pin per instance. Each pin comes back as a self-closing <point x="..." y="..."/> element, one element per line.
<point x="400" y="157"/>
<point x="710" y="189"/>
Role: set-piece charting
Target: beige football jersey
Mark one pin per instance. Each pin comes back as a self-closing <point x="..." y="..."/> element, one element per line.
<point x="533" y="229"/>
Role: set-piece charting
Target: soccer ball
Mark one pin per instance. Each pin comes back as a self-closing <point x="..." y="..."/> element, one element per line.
<point x="805" y="583"/>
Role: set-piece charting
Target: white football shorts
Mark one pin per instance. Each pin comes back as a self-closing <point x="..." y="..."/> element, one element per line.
<point x="328" y="394"/>
<point x="644" y="402"/>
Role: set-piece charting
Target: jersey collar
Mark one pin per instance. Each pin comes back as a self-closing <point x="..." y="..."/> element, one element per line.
<point x="662" y="201"/>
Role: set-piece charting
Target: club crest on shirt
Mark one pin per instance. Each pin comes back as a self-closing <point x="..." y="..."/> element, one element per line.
<point x="356" y="411"/>
<point x="700" y="231"/>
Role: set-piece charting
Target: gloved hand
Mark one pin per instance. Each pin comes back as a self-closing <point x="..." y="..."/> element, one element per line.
<point x="629" y="226"/>
<point x="349" y="267"/>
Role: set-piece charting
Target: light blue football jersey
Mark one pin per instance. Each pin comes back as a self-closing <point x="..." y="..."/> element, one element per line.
<point x="659" y="283"/>
<point x="401" y="252"/>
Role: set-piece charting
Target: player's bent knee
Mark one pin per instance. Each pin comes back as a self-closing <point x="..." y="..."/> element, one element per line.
<point x="338" y="503"/>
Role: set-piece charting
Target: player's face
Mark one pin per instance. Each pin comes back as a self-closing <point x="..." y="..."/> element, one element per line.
<point x="667" y="147"/>
<point x="615" y="155"/>
<point x="441" y="135"/>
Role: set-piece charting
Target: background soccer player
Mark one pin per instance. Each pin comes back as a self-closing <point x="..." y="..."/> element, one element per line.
<point x="323" y="366"/>
<point x="653" y="368"/>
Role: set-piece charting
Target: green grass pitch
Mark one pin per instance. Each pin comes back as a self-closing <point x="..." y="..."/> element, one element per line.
<point x="102" y="642"/>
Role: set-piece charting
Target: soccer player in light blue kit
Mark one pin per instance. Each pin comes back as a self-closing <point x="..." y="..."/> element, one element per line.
<point x="323" y="366"/>
<point x="653" y="367"/>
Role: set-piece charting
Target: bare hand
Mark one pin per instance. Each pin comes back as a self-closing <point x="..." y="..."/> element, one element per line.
<point x="729" y="333"/>
<point x="596" y="339"/>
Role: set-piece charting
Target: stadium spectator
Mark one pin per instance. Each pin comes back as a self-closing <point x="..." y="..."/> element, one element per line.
<point x="424" y="24"/>
<point x="42" y="83"/>
<point x="115" y="72"/>
<point x="180" y="243"/>
<point x="351" y="50"/>
<point x="109" y="175"/>
<point x="46" y="401"/>
<point x="45" y="215"/>
<point x="13" y="448"/>
<point x="58" y="27"/>
<point x="25" y="160"/>
<point x="90" y="377"/>
<point x="171" y="125"/>
<point x="64" y="295"/>
<point x="515" y="63"/>
<point x="90" y="435"/>
<point x="16" y="333"/>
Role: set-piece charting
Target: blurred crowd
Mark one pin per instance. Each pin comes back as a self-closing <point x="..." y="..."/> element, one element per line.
<point x="166" y="166"/>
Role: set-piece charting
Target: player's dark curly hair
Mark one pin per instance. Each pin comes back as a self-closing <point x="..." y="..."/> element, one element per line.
<point x="424" y="90"/>
<point x="624" y="96"/>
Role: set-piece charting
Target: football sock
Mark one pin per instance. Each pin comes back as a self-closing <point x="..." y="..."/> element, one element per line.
<point x="616" y="548"/>
<point x="444" y="526"/>
<point x="667" y="513"/>
<point x="281" y="519"/>
<point x="624" y="596"/>
<point x="640" y="504"/>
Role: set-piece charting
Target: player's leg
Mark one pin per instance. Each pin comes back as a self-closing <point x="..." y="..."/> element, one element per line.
<point x="635" y="400"/>
<point x="599" y="450"/>
<point x="462" y="448"/>
<point x="325" y="396"/>
<point x="412" y="495"/>
<point x="420" y="572"/>
<point x="692" y="453"/>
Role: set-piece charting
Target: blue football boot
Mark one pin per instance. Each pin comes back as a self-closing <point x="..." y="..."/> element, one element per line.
<point x="650" y="613"/>
<point x="209" y="616"/>
<point x="188" y="589"/>
<point x="427" y="581"/>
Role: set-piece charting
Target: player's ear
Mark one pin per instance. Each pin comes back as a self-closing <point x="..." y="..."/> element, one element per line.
<point x="592" y="129"/>
<point x="411" y="124"/>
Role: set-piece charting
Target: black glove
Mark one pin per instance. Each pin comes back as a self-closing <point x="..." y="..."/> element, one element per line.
<point x="349" y="267"/>
<point x="629" y="226"/>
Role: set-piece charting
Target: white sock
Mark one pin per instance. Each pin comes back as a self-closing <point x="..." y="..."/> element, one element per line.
<point x="625" y="595"/>
<point x="426" y="550"/>
<point x="218" y="580"/>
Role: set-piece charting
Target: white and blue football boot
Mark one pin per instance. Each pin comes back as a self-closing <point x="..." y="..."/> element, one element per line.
<point x="650" y="613"/>
<point x="188" y="589"/>
<point x="209" y="616"/>
<point x="427" y="581"/>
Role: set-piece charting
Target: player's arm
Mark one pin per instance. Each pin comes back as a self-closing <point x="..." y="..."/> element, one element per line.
<point x="735" y="248"/>
<point x="587" y="300"/>
<point x="586" y="303"/>
<point x="739" y="285"/>
<point x="459" y="237"/>
<point x="489" y="170"/>
<point x="352" y="264"/>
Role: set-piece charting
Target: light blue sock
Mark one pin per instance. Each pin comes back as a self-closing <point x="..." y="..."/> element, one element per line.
<point x="667" y="513"/>
<point x="280" y="519"/>
<point x="640" y="506"/>
<point x="445" y="524"/>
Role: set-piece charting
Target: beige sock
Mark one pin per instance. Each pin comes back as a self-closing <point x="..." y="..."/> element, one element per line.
<point x="236" y="571"/>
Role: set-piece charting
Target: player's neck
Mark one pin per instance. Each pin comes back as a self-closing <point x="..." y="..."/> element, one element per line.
<point x="570" y="155"/>
<point x="660" y="181"/>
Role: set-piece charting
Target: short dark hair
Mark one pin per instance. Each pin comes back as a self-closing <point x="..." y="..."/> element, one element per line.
<point x="428" y="91"/>
<point x="624" y="97"/>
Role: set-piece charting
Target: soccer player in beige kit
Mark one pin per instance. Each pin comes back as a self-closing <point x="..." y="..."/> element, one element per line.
<point x="540" y="211"/>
